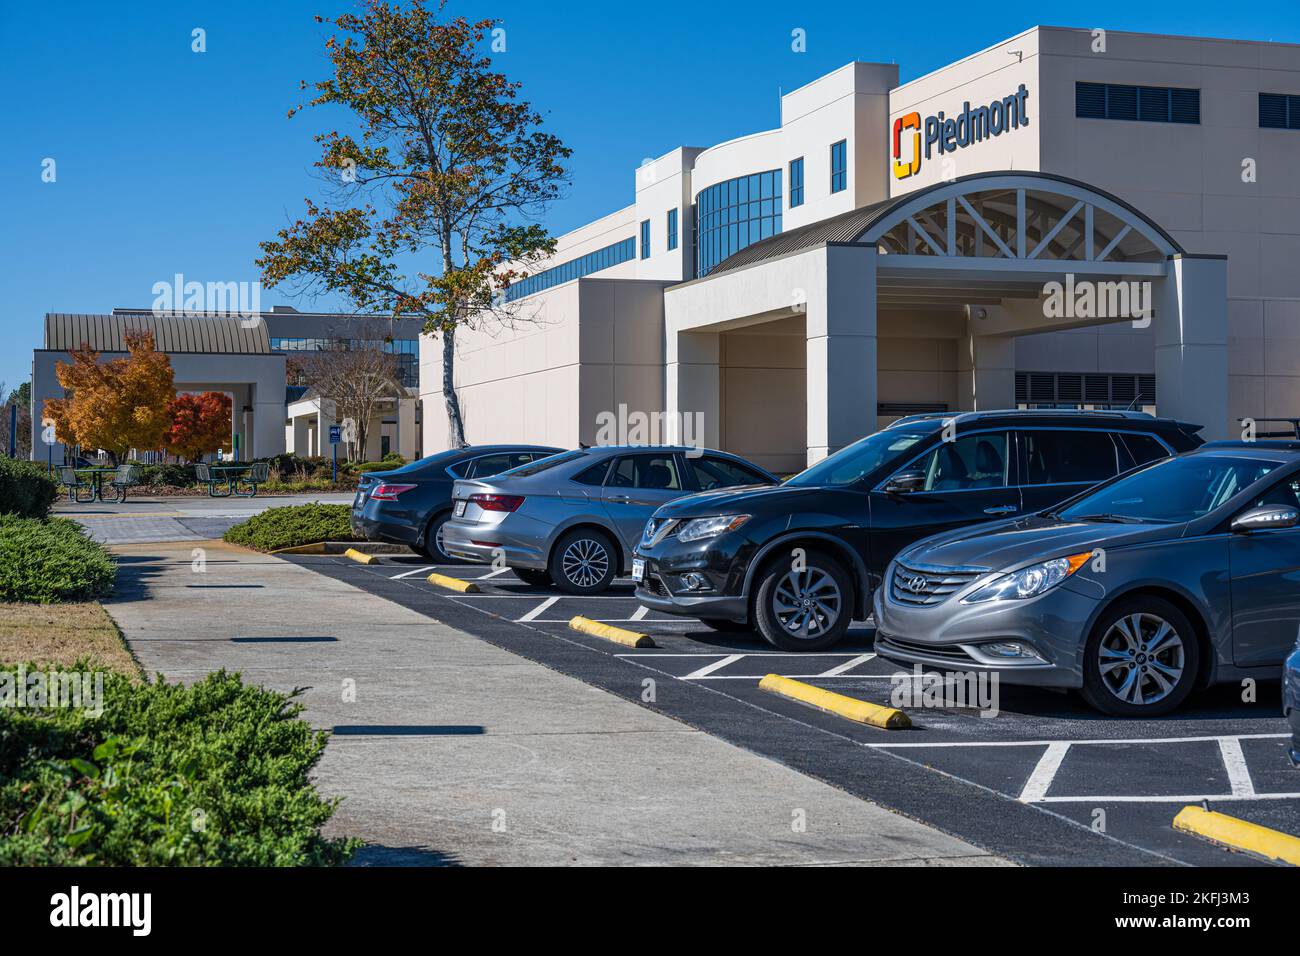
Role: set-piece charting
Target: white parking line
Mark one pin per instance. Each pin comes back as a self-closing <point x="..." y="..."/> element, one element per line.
<point x="532" y="615"/>
<point x="639" y="613"/>
<point x="491" y="574"/>
<point x="1180" y="798"/>
<point x="1040" y="780"/>
<point x="407" y="574"/>
<point x="1234" y="761"/>
<point x="1100" y="740"/>
<point x="839" y="669"/>
<point x="708" y="669"/>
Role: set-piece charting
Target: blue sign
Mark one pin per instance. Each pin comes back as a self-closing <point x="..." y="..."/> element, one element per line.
<point x="336" y="434"/>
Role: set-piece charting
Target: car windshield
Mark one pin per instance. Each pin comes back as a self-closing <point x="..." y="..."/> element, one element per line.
<point x="542" y="464"/>
<point x="859" y="459"/>
<point x="1172" y="491"/>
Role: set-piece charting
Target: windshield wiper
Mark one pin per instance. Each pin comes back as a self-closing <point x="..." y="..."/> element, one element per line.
<point x="1116" y="519"/>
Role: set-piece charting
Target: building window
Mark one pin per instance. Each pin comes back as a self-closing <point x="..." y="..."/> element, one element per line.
<point x="1279" y="111"/>
<point x="796" y="182"/>
<point x="839" y="166"/>
<point x="733" y="214"/>
<point x="605" y="258"/>
<point x="1149" y="104"/>
<point x="672" y="229"/>
<point x="645" y="238"/>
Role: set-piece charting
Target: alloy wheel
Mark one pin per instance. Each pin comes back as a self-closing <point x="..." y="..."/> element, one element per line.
<point x="1141" y="658"/>
<point x="585" y="562"/>
<point x="807" y="603"/>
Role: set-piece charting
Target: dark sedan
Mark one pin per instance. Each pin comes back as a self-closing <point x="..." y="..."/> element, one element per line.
<point x="409" y="505"/>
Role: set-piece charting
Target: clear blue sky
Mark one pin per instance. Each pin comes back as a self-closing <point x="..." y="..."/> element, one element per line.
<point x="170" y="161"/>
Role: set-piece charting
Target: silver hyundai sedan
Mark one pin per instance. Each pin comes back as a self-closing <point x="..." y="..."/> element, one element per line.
<point x="573" y="519"/>
<point x="1178" y="575"/>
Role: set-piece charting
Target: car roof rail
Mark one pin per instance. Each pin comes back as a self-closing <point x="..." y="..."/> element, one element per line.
<point x="960" y="417"/>
<point x="1292" y="432"/>
<point x="1282" y="444"/>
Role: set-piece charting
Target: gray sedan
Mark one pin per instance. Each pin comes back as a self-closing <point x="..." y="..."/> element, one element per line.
<point x="574" y="519"/>
<point x="1167" y="578"/>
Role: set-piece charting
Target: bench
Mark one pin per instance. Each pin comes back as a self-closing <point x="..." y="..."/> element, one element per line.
<point x="72" y="481"/>
<point x="126" y="476"/>
<point x="203" y="472"/>
<point x="257" y="474"/>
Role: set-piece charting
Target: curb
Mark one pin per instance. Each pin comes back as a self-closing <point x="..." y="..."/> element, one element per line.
<point x="850" y="708"/>
<point x="1239" y="834"/>
<point x="315" y="548"/>
<point x="453" y="584"/>
<point x="618" y="635"/>
<point x="360" y="557"/>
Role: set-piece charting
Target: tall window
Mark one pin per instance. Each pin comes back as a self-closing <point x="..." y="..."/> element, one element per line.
<point x="645" y="238"/>
<point x="796" y="182"/>
<point x="672" y="229"/>
<point x="730" y="215"/>
<point x="839" y="166"/>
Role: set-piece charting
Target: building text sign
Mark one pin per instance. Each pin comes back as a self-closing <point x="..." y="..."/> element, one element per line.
<point x="951" y="133"/>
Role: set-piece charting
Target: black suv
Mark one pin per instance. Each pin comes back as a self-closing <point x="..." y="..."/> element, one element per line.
<point x="801" y="560"/>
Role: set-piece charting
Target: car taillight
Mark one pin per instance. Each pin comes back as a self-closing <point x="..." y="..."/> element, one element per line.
<point x="387" y="492"/>
<point x="498" y="502"/>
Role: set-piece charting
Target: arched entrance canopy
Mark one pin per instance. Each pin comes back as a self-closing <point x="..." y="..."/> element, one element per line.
<point x="1017" y="217"/>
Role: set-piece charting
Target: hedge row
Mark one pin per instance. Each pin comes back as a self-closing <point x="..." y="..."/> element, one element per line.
<point x="214" y="774"/>
<point x="52" y="559"/>
<point x="26" y="489"/>
<point x="291" y="526"/>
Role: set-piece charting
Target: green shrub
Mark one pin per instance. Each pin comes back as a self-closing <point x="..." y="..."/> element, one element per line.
<point x="214" y="774"/>
<point x="26" y="489"/>
<point x="158" y="476"/>
<point x="44" y="561"/>
<point x="291" y="526"/>
<point x="388" y="464"/>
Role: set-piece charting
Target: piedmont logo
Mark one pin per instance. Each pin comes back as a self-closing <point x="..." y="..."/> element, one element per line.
<point x="951" y="133"/>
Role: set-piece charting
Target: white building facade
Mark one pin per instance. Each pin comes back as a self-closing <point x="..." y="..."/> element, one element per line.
<point x="1068" y="218"/>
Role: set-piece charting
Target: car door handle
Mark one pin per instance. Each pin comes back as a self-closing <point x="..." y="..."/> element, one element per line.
<point x="1001" y="510"/>
<point x="621" y="498"/>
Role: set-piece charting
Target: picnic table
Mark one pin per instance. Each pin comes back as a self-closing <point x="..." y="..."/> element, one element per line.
<point x="97" y="478"/>
<point x="252" y="473"/>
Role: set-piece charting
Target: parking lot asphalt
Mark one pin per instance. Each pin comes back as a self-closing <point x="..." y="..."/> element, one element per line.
<point x="1044" y="781"/>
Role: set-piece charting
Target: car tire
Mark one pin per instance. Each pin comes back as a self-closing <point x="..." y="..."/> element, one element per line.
<point x="538" y="578"/>
<point x="583" y="561"/>
<point x="430" y="547"/>
<point x="726" y="626"/>
<point x="817" y="599"/>
<point x="1143" y="649"/>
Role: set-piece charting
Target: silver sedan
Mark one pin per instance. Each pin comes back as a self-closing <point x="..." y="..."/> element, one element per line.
<point x="574" y="519"/>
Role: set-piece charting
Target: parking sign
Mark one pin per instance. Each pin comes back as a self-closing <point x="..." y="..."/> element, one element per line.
<point x="336" y="434"/>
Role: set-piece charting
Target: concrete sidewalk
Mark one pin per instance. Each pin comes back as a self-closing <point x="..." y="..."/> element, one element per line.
<point x="454" y="751"/>
<point x="154" y="519"/>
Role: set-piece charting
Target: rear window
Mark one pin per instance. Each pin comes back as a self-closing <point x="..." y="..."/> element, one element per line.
<point x="1139" y="450"/>
<point x="544" y="464"/>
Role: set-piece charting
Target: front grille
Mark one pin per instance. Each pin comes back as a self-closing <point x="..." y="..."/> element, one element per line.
<point x="655" y="586"/>
<point x="945" y="652"/>
<point x="923" y="585"/>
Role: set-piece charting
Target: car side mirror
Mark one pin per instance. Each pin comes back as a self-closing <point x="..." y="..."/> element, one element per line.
<point x="905" y="482"/>
<point x="1266" y="518"/>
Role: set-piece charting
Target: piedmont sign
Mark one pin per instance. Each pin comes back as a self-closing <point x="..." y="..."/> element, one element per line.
<point x="951" y="133"/>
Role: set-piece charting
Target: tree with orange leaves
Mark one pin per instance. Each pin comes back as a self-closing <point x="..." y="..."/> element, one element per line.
<point x="200" y="424"/>
<point x="116" y="405"/>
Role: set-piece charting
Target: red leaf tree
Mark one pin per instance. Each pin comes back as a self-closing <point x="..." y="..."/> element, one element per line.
<point x="200" y="424"/>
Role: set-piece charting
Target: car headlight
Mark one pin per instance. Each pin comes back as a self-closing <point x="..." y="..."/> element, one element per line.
<point x="1029" y="582"/>
<point x="697" y="529"/>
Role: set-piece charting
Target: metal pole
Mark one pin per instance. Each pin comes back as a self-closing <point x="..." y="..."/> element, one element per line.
<point x="336" y="463"/>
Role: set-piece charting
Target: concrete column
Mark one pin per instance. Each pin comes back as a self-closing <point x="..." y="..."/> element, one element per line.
<point x="986" y="372"/>
<point x="692" y="388"/>
<point x="841" y="343"/>
<point x="406" y="433"/>
<point x="301" y="435"/>
<point x="1191" y="353"/>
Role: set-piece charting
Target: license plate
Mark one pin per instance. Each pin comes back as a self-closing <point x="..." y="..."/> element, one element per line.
<point x="638" y="569"/>
<point x="460" y="508"/>
<point x="359" y="500"/>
